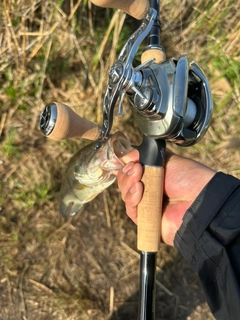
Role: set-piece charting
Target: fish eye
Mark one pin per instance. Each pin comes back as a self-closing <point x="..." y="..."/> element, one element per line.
<point x="97" y="145"/>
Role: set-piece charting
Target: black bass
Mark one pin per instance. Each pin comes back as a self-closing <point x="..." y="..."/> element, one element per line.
<point x="90" y="171"/>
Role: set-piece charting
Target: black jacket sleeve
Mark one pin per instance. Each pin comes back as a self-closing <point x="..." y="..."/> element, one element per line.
<point x="209" y="238"/>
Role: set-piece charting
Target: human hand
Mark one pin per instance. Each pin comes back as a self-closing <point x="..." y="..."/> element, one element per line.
<point x="183" y="181"/>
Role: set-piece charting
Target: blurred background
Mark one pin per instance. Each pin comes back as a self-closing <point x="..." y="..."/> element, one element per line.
<point x="87" y="267"/>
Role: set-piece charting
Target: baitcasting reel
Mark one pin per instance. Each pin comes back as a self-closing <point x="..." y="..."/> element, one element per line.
<point x="170" y="100"/>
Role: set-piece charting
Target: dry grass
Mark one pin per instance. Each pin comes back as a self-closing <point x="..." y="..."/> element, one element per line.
<point x="86" y="267"/>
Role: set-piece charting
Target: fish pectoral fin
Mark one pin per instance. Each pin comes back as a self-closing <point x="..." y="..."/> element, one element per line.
<point x="80" y="186"/>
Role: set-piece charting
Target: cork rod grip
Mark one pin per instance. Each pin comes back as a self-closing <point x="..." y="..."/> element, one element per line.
<point x="135" y="8"/>
<point x="70" y="125"/>
<point x="150" y="210"/>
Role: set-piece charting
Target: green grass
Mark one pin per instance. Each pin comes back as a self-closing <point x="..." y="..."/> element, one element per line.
<point x="26" y="199"/>
<point x="229" y="68"/>
<point x="8" y="146"/>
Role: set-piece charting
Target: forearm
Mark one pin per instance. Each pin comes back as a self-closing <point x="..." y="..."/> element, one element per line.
<point x="209" y="238"/>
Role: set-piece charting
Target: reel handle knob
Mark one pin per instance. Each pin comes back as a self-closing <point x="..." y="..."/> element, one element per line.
<point x="136" y="9"/>
<point x="58" y="122"/>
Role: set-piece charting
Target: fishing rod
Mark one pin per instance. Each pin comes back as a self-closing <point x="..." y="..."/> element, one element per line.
<point x="170" y="101"/>
<point x="152" y="157"/>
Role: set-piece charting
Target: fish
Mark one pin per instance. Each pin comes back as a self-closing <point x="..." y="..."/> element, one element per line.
<point x="90" y="171"/>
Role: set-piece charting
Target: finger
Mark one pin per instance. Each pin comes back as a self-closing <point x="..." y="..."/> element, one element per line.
<point x="132" y="199"/>
<point x="131" y="156"/>
<point x="128" y="176"/>
<point x="121" y="174"/>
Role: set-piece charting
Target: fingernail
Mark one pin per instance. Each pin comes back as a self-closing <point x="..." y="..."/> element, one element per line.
<point x="133" y="189"/>
<point x="127" y="167"/>
<point x="131" y="171"/>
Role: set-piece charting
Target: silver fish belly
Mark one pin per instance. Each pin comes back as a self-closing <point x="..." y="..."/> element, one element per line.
<point x="90" y="171"/>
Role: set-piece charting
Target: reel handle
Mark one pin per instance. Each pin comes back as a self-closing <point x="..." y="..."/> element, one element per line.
<point x="59" y="122"/>
<point x="136" y="9"/>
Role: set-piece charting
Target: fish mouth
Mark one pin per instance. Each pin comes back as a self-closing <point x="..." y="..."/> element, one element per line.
<point x="117" y="146"/>
<point x="121" y="145"/>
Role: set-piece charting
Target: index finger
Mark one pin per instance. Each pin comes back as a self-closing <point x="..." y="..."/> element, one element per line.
<point x="131" y="156"/>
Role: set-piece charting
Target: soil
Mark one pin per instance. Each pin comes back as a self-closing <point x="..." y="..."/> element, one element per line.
<point x="92" y="260"/>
